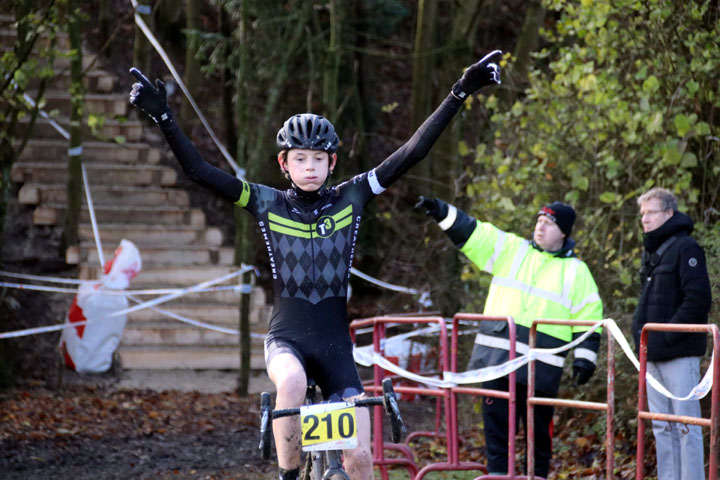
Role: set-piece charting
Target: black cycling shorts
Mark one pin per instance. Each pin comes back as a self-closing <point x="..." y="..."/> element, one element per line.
<point x="331" y="365"/>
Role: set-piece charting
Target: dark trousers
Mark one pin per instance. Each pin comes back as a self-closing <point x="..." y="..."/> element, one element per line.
<point x="495" y="417"/>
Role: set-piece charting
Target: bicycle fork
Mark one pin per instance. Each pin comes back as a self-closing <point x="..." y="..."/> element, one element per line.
<point x="334" y="466"/>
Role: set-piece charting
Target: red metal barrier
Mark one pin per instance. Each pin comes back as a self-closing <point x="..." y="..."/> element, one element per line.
<point x="713" y="422"/>
<point x="446" y="394"/>
<point x="379" y="325"/>
<point x="510" y="395"/>
<point x="608" y="408"/>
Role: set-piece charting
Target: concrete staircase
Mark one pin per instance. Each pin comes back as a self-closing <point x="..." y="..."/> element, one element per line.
<point x="135" y="195"/>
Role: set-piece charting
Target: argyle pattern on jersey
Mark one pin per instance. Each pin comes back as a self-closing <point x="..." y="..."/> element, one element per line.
<point x="316" y="268"/>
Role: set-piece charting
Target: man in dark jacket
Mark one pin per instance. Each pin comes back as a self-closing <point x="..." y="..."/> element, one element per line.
<point x="675" y="289"/>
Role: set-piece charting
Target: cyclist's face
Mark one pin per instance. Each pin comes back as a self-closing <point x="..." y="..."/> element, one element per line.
<point x="308" y="169"/>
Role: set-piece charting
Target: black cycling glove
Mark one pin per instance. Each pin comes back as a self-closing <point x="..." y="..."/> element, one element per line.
<point x="434" y="207"/>
<point x="149" y="99"/>
<point x="582" y="371"/>
<point x="478" y="75"/>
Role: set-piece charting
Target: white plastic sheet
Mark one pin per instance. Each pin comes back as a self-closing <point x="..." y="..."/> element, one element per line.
<point x="89" y="347"/>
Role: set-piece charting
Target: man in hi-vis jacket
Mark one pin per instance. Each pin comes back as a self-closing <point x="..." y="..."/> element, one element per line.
<point x="532" y="279"/>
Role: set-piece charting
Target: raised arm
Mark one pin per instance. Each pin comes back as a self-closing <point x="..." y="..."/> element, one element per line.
<point x="153" y="101"/>
<point x="480" y="74"/>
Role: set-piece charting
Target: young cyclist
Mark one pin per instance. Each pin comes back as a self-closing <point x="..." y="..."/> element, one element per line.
<point x="310" y="231"/>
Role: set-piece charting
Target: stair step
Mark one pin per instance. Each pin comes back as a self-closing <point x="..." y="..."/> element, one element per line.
<point x="187" y="357"/>
<point x="54" y="214"/>
<point x="98" y="173"/>
<point x="94" y="81"/>
<point x="8" y="35"/>
<point x="166" y="334"/>
<point x="7" y="20"/>
<point x="144" y="234"/>
<point x="60" y="65"/>
<point x="55" y="150"/>
<point x="126" y="181"/>
<point x="35" y="194"/>
<point x="200" y="300"/>
<point x="163" y="255"/>
<point x="98" y="103"/>
<point x="220" y="314"/>
<point x="168" y="276"/>
<point x="111" y="128"/>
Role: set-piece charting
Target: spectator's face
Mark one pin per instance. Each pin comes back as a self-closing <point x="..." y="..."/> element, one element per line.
<point x="548" y="235"/>
<point x="308" y="169"/>
<point x="652" y="215"/>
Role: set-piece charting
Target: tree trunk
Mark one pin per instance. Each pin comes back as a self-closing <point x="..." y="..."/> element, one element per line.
<point x="25" y="40"/>
<point x="141" y="45"/>
<point x="332" y="62"/>
<point x="423" y="62"/>
<point x="228" y="80"/>
<point x="421" y="96"/>
<point x="243" y="251"/>
<point x="516" y="77"/>
<point x="359" y="156"/>
<point x="104" y="19"/>
<point x="243" y="242"/>
<point x="280" y="77"/>
<point x="168" y="15"/>
<point x="74" y="170"/>
<point x="447" y="165"/>
<point x="191" y="78"/>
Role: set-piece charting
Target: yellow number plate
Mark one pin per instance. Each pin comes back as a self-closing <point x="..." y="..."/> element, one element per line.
<point x="328" y="426"/>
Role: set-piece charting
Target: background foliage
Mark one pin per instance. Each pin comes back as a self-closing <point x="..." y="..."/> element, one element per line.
<point x="623" y="97"/>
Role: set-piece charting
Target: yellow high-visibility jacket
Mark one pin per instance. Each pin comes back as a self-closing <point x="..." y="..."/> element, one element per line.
<point x="528" y="284"/>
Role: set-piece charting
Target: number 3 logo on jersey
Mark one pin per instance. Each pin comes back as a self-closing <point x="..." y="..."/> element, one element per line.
<point x="325" y="226"/>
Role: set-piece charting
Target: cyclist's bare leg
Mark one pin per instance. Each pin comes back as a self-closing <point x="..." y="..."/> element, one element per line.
<point x="288" y="375"/>
<point x="358" y="461"/>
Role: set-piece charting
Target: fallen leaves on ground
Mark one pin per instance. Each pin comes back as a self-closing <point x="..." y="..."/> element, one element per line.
<point x="47" y="415"/>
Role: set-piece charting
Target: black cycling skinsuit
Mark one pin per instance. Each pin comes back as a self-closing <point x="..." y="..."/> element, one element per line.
<point x="310" y="238"/>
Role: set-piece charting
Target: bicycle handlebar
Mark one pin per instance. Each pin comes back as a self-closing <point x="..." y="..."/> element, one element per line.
<point x="388" y="401"/>
<point x="361" y="402"/>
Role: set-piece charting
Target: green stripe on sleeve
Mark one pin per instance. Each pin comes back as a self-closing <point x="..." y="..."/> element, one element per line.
<point x="244" y="196"/>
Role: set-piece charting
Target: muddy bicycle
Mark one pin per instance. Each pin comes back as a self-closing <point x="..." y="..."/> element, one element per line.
<point x="327" y="429"/>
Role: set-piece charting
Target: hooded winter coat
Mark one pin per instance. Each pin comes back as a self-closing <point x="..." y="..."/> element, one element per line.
<point x="675" y="289"/>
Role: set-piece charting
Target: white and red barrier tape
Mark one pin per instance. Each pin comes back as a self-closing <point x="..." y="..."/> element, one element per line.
<point x="367" y="357"/>
<point x="176" y="293"/>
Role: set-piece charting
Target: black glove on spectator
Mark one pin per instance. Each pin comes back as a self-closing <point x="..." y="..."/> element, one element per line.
<point x="582" y="371"/>
<point x="478" y="75"/>
<point x="434" y="207"/>
<point x="149" y="99"/>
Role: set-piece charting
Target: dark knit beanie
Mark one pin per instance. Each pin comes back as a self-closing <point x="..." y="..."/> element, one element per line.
<point x="562" y="214"/>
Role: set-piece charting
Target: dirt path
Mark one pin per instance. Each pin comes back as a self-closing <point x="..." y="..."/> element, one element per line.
<point x="95" y="432"/>
<point x="98" y="428"/>
<point x="103" y="427"/>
